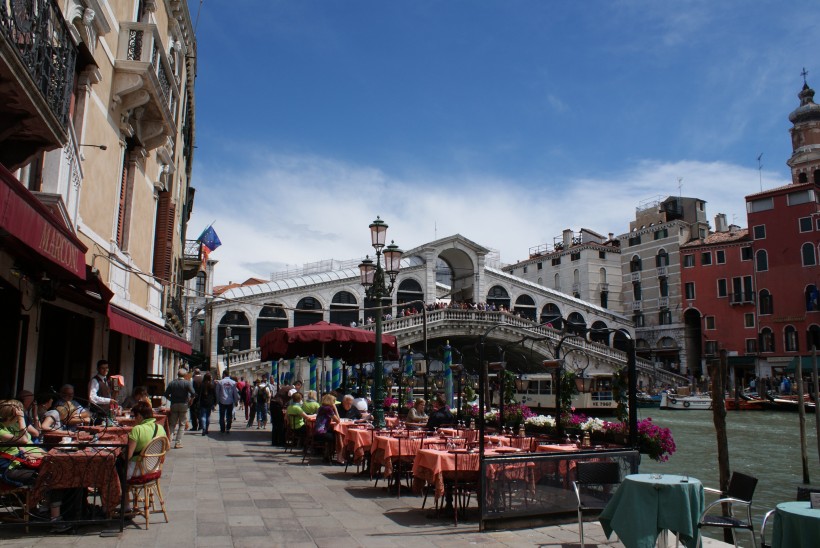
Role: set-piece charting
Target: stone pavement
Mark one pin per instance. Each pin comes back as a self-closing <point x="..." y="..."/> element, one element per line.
<point x="236" y="490"/>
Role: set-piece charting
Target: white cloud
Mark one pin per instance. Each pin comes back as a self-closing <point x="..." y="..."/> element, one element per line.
<point x="287" y="210"/>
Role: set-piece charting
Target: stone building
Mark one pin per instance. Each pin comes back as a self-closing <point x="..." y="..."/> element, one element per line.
<point x="97" y="104"/>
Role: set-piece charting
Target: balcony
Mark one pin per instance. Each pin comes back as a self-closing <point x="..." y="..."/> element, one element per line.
<point x="636" y="305"/>
<point x="635" y="276"/>
<point x="662" y="271"/>
<point x="604" y="287"/>
<point x="144" y="78"/>
<point x="37" y="59"/>
<point x="741" y="298"/>
<point x="576" y="288"/>
<point x="191" y="259"/>
<point x="663" y="302"/>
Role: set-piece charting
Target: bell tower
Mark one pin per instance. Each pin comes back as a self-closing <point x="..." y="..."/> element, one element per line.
<point x="805" y="159"/>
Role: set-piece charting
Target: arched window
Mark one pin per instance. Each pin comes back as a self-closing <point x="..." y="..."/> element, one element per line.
<point x="525" y="306"/>
<point x="576" y="323"/>
<point x="766" y="302"/>
<point x="599" y="332"/>
<point x="766" y="340"/>
<point x="308" y="311"/>
<point x="576" y="276"/>
<point x="556" y="284"/>
<point x="812" y="300"/>
<point x="813" y="337"/>
<point x="636" y="290"/>
<point x="602" y="275"/>
<point x="240" y="330"/>
<point x="409" y="296"/>
<point x="552" y="314"/>
<point x="662" y="258"/>
<point x="344" y="308"/>
<point x="272" y="316"/>
<point x="761" y="260"/>
<point x="790" y="339"/>
<point x="635" y="264"/>
<point x="499" y="297"/>
<point x="807" y="252"/>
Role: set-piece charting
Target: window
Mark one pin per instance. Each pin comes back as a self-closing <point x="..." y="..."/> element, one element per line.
<point x="635" y="264"/>
<point x="807" y="253"/>
<point x="635" y="240"/>
<point x="688" y="261"/>
<point x="575" y="256"/>
<point x="762" y="261"/>
<point x="801" y="197"/>
<point x="556" y="284"/>
<point x="660" y="234"/>
<point x="525" y="270"/>
<point x="662" y="258"/>
<point x="763" y="204"/>
<point x="811" y="298"/>
<point x="540" y="266"/>
<point x="602" y="254"/>
<point x="722" y="288"/>
<point x="638" y="319"/>
<point x="710" y="322"/>
<point x="604" y="299"/>
<point x="706" y="258"/>
<point x="720" y="256"/>
<point x="556" y="261"/>
<point x="748" y="291"/>
<point x="751" y="346"/>
<point x="766" y="340"/>
<point x="665" y="317"/>
<point x="636" y="290"/>
<point x="790" y="339"/>
<point x="689" y="289"/>
<point x="710" y="348"/>
<point x="746" y="253"/>
<point x="126" y="186"/>
<point x="804" y="224"/>
<point x="201" y="284"/>
<point x="748" y="320"/>
<point x="663" y="284"/>
<point x="813" y="337"/>
<point x="759" y="232"/>
<point x="766" y="302"/>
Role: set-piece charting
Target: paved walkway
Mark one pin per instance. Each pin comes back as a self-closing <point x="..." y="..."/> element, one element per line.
<point x="237" y="490"/>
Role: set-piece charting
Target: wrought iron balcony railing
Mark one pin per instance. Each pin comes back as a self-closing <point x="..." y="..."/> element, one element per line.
<point x="38" y="32"/>
<point x="193" y="251"/>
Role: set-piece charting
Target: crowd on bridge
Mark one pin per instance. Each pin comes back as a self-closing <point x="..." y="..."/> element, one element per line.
<point x="405" y="311"/>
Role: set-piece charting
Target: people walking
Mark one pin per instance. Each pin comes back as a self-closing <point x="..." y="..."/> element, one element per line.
<point x="228" y="397"/>
<point x="180" y="392"/>
<point x="207" y="401"/>
<point x="261" y="396"/>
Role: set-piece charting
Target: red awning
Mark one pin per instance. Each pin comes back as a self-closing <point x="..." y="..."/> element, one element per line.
<point x="27" y="220"/>
<point x="134" y="326"/>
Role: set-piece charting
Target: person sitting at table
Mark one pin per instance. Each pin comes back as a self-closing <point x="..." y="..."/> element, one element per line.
<point x="440" y="415"/>
<point x="144" y="431"/>
<point x="71" y="412"/>
<point x="296" y="416"/>
<point x="139" y="394"/>
<point x="18" y="465"/>
<point x="416" y="414"/>
<point x="326" y="417"/>
<point x="26" y="397"/>
<point x="310" y="406"/>
<point x="49" y="418"/>
<point x="346" y="409"/>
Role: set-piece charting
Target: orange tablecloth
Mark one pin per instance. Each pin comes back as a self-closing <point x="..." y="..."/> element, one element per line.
<point x="391" y="422"/>
<point x="352" y="438"/>
<point x="386" y="448"/>
<point x="92" y="467"/>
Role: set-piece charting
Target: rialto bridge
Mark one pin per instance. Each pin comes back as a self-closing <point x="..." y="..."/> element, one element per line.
<point x="525" y="320"/>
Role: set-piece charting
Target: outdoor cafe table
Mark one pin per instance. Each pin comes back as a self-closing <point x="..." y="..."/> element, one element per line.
<point x="645" y="505"/>
<point x="82" y="467"/>
<point x="796" y="525"/>
<point x="386" y="447"/>
<point x="353" y="437"/>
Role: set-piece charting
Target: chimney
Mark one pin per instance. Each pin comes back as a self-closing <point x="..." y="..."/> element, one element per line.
<point x="611" y="236"/>
<point x="720" y="223"/>
<point x="567" y="237"/>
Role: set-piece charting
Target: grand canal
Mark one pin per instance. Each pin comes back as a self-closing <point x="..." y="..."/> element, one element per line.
<point x="761" y="443"/>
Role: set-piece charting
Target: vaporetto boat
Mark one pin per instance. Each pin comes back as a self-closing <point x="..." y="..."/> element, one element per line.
<point x="674" y="401"/>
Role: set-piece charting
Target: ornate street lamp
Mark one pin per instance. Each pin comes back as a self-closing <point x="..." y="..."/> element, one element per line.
<point x="377" y="288"/>
<point x="227" y="347"/>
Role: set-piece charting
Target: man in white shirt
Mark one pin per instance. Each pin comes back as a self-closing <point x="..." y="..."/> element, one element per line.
<point x="99" y="392"/>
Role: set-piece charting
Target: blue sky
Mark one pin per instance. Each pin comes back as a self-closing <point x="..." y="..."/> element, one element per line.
<point x="504" y="121"/>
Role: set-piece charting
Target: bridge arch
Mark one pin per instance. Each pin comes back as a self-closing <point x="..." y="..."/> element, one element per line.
<point x="308" y="310"/>
<point x="462" y="274"/>
<point x="271" y="316"/>
<point x="344" y="308"/>
<point x="552" y="313"/>
<point x="525" y="307"/>
<point x="240" y="326"/>
<point x="409" y="291"/>
<point x="499" y="297"/>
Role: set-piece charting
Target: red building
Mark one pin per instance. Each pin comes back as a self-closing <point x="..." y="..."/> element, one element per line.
<point x="754" y="292"/>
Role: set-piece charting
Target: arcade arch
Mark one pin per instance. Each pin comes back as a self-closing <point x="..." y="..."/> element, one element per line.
<point x="240" y="330"/>
<point x="308" y="311"/>
<point x="344" y="308"/>
<point x="272" y="316"/>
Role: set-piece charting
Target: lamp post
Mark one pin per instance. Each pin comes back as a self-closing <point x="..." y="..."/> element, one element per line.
<point x="227" y="347"/>
<point x="376" y="287"/>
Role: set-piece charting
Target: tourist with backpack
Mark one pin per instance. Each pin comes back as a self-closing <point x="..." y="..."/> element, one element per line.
<point x="261" y="397"/>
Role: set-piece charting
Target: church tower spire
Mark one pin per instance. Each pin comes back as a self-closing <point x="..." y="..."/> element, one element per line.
<point x="805" y="159"/>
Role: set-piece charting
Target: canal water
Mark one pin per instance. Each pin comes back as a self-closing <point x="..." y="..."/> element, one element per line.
<point x="763" y="444"/>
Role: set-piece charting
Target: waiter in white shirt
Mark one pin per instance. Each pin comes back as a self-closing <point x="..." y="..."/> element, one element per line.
<point x="99" y="393"/>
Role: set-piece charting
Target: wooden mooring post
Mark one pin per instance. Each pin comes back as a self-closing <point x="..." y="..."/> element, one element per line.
<point x="717" y="372"/>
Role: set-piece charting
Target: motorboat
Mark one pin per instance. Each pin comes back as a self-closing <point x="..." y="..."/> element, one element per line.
<point x="672" y="400"/>
<point x="646" y="401"/>
<point x="744" y="402"/>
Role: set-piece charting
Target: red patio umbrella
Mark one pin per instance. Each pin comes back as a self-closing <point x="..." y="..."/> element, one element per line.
<point x="325" y="339"/>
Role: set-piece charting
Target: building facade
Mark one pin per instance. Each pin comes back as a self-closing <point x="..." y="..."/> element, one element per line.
<point x="101" y="157"/>
<point x="585" y="265"/>
<point x="651" y="277"/>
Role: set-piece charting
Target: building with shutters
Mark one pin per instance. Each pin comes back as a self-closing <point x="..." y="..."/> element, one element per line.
<point x="96" y="143"/>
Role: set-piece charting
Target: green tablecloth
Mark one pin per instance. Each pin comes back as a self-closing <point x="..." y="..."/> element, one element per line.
<point x="796" y="525"/>
<point x="642" y="507"/>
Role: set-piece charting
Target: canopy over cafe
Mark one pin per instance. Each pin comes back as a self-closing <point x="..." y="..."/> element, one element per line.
<point x="56" y="318"/>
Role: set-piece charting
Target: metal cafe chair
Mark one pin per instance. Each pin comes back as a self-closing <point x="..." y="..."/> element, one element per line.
<point x="763" y="543"/>
<point x="739" y="494"/>
<point x="594" y="487"/>
<point x="463" y="481"/>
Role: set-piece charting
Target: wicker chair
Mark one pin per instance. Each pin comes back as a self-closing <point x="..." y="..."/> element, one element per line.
<point x="143" y="486"/>
<point x="15" y="502"/>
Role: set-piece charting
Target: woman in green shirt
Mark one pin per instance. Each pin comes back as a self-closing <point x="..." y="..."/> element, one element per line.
<point x="141" y="435"/>
<point x="297" y="415"/>
<point x="17" y="464"/>
<point x="310" y="406"/>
